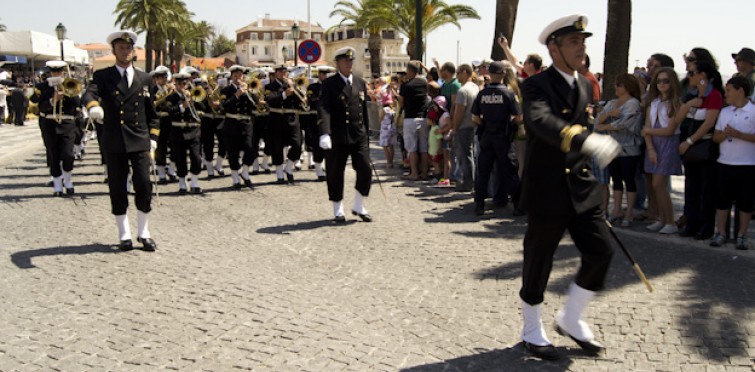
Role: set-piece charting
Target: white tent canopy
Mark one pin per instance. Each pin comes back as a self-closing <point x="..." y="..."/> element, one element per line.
<point x="40" y="46"/>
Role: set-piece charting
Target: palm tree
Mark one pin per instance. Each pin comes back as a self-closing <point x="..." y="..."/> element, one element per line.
<point x="505" y="19"/>
<point x="371" y="15"/>
<point x="436" y="13"/>
<point x="148" y="16"/>
<point x="205" y="32"/>
<point x="618" y="34"/>
<point x="180" y="32"/>
<point x="2" y="27"/>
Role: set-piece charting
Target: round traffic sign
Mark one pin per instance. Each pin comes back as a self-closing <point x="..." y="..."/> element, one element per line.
<point x="309" y="51"/>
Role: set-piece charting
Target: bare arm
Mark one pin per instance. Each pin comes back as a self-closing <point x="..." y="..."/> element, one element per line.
<point x="504" y="43"/>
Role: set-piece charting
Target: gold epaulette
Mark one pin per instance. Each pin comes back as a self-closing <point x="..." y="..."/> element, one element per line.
<point x="154" y="131"/>
<point x="92" y="104"/>
<point x="568" y="134"/>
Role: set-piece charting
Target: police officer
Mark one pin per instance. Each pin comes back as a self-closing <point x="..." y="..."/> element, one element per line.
<point x="58" y="114"/>
<point x="237" y="128"/>
<point x="559" y="191"/>
<point x="185" y="116"/>
<point x="120" y="96"/>
<point x="283" y="128"/>
<point x="315" y="154"/>
<point x="496" y="113"/>
<point x="344" y="129"/>
<point x="160" y="90"/>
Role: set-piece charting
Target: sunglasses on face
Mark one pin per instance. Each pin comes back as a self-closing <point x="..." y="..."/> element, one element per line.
<point x="663" y="81"/>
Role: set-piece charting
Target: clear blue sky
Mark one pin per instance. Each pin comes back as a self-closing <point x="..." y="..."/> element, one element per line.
<point x="659" y="26"/>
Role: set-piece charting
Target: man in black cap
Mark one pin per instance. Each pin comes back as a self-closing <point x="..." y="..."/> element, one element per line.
<point x="57" y="120"/>
<point x="745" y="61"/>
<point x="161" y="89"/>
<point x="238" y="128"/>
<point x="559" y="190"/>
<point x="120" y="96"/>
<point x="316" y="154"/>
<point x="283" y="127"/>
<point x="344" y="129"/>
<point x="496" y="113"/>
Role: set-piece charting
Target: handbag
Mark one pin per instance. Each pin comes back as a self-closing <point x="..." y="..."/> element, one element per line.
<point x="699" y="152"/>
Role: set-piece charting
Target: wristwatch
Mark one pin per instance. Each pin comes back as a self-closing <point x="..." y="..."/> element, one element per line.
<point x="689" y="140"/>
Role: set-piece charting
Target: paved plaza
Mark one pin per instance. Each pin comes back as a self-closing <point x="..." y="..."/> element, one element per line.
<point x="262" y="280"/>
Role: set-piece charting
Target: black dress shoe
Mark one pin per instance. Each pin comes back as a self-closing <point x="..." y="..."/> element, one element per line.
<point x="162" y="181"/>
<point x="322" y="178"/>
<point x="172" y="179"/>
<point x="590" y="347"/>
<point x="126" y="245"/>
<point x="181" y="191"/>
<point x="70" y="191"/>
<point x="479" y="208"/>
<point x="105" y="180"/>
<point x="49" y="183"/>
<point x="221" y="172"/>
<point x="57" y="194"/>
<point x="339" y="219"/>
<point x="365" y="217"/>
<point x="237" y="186"/>
<point x="547" y="352"/>
<point x="268" y="171"/>
<point x="196" y="190"/>
<point x="248" y="183"/>
<point x="149" y="245"/>
<point x="290" y="178"/>
<point x="210" y="176"/>
<point x="311" y="167"/>
<point x="255" y="172"/>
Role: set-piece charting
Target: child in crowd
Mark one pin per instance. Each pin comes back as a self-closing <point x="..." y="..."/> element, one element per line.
<point x="438" y="148"/>
<point x="388" y="137"/>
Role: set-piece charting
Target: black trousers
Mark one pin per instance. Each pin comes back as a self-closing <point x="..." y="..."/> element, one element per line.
<point x="544" y="232"/>
<point x="61" y="151"/>
<point x="19" y="115"/>
<point x="335" y="162"/>
<point x="312" y="137"/>
<point x="99" y="129"/>
<point x="284" y="130"/>
<point x="699" y="196"/>
<point x="260" y="133"/>
<point x="47" y="127"/>
<point x="212" y="129"/>
<point x="163" y="142"/>
<point x="117" y="169"/>
<point x="238" y="138"/>
<point x="494" y="151"/>
<point x="179" y="147"/>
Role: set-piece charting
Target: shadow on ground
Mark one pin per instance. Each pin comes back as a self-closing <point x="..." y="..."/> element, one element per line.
<point x="23" y="259"/>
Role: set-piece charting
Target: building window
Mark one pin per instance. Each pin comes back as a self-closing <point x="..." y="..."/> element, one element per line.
<point x="317" y="37"/>
<point x="268" y="36"/>
<point x="254" y="51"/>
<point x="267" y="50"/>
<point x="254" y="36"/>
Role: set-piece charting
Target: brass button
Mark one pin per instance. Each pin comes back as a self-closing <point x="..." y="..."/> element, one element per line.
<point x="122" y="122"/>
<point x="567" y="170"/>
<point x="121" y="112"/>
<point x="584" y="170"/>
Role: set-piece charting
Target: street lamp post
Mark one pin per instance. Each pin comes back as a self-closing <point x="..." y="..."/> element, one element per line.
<point x="295" y="33"/>
<point x="60" y="31"/>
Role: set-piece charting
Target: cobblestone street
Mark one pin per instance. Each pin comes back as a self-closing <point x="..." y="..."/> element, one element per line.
<point x="263" y="280"/>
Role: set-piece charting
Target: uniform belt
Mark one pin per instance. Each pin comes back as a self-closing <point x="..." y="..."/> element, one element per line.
<point x="213" y="116"/>
<point x="61" y="117"/>
<point x="283" y="111"/>
<point x="184" y="124"/>
<point x="308" y="112"/>
<point x="257" y="113"/>
<point x="162" y="114"/>
<point x="238" y="117"/>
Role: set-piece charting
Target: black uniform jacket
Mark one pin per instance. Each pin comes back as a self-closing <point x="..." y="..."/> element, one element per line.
<point x="274" y="96"/>
<point x="130" y="117"/>
<point x="554" y="182"/>
<point x="42" y="96"/>
<point x="343" y="110"/>
<point x="313" y="95"/>
<point x="233" y="105"/>
<point x="190" y="125"/>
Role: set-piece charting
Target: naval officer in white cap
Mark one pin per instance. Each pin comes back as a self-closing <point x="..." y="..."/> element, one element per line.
<point x="559" y="191"/>
<point x="119" y="96"/>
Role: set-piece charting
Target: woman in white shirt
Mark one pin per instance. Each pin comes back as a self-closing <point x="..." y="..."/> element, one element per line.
<point x="735" y="169"/>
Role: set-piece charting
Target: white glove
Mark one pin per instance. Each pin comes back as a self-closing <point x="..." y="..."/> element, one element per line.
<point x="325" y="143"/>
<point x="152" y="145"/>
<point x="602" y="147"/>
<point x="97" y="114"/>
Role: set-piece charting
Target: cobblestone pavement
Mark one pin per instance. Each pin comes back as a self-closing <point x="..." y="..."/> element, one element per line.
<point x="262" y="280"/>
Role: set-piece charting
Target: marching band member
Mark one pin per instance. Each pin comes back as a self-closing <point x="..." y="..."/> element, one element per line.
<point x="315" y="154"/>
<point x="260" y="133"/>
<point x="212" y="126"/>
<point x="283" y="127"/>
<point x="161" y="89"/>
<point x="120" y="96"/>
<point x="184" y="134"/>
<point x="237" y="129"/>
<point x="344" y="132"/>
<point x="58" y="114"/>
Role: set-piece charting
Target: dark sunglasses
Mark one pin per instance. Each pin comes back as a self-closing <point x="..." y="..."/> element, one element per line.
<point x="663" y="81"/>
<point x="691" y="59"/>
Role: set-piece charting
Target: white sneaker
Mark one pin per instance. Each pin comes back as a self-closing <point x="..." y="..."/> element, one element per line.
<point x="668" y="229"/>
<point x="655" y="226"/>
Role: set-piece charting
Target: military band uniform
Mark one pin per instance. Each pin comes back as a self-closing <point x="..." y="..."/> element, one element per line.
<point x="282" y="126"/>
<point x="238" y="130"/>
<point x="212" y="129"/>
<point x="343" y="116"/>
<point x="184" y="138"/>
<point x="163" y="139"/>
<point x="261" y="117"/>
<point x="308" y="121"/>
<point x="58" y="135"/>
